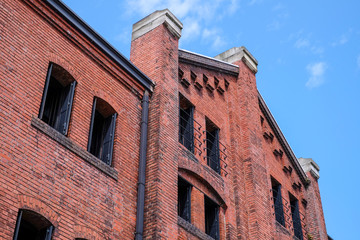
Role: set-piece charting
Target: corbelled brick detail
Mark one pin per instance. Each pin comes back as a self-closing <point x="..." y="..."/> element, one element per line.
<point x="54" y="175"/>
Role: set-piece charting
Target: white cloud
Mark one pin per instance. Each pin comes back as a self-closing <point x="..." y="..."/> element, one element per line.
<point x="252" y="2"/>
<point x="305" y="43"/>
<point x="317" y="71"/>
<point x="214" y="36"/>
<point x="341" y="41"/>
<point x="280" y="19"/>
<point x="274" y="25"/>
<point x="218" y="42"/>
<point x="278" y="6"/>
<point x="192" y="29"/>
<point x="233" y="6"/>
<point x="301" y="42"/>
<point x="196" y="16"/>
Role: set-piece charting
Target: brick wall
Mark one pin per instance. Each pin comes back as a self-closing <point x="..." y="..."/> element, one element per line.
<point x="156" y="55"/>
<point x="51" y="174"/>
<point x="54" y="175"/>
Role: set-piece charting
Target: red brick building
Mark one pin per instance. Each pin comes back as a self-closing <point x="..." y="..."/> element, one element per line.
<point x="172" y="145"/>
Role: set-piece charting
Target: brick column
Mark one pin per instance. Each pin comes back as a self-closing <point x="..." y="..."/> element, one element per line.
<point x="251" y="180"/>
<point x="154" y="50"/>
<point x="315" y="220"/>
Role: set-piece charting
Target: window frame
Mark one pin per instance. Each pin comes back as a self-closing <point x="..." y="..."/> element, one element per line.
<point x="184" y="212"/>
<point x="186" y="123"/>
<point x="108" y="138"/>
<point x="212" y="146"/>
<point x="49" y="229"/>
<point x="212" y="208"/>
<point x="278" y="202"/>
<point x="62" y="109"/>
<point x="295" y="217"/>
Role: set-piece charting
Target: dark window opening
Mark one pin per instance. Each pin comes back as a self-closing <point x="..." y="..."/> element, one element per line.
<point x="102" y="130"/>
<point x="186" y="124"/>
<point x="57" y="98"/>
<point x="278" y="204"/>
<point x="211" y="218"/>
<point x="212" y="146"/>
<point x="296" y="218"/>
<point x="31" y="225"/>
<point x="184" y="199"/>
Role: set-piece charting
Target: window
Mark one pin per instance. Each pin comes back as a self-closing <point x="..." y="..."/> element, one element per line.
<point x="102" y="130"/>
<point x="186" y="124"/>
<point x="31" y="225"/>
<point x="184" y="199"/>
<point x="57" y="98"/>
<point x="295" y="214"/>
<point x="278" y="205"/>
<point x="211" y="218"/>
<point x="212" y="146"/>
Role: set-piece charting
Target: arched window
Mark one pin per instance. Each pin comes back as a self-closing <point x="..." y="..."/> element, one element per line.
<point x="102" y="130"/>
<point x="31" y="225"/>
<point x="57" y="98"/>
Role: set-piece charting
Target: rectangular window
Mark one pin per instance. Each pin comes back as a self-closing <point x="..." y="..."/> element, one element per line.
<point x="278" y="204"/>
<point x="186" y="124"/>
<point x="211" y="218"/>
<point x="184" y="199"/>
<point x="57" y="98"/>
<point x="296" y="219"/>
<point x="212" y="146"/>
<point x="102" y="131"/>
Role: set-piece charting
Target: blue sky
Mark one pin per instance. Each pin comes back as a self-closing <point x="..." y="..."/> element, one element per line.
<point x="309" y="74"/>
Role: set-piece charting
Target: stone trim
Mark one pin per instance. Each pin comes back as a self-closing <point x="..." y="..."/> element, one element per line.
<point x="193" y="230"/>
<point x="239" y="53"/>
<point x="156" y="19"/>
<point x="309" y="165"/>
<point x="73" y="147"/>
<point x="207" y="62"/>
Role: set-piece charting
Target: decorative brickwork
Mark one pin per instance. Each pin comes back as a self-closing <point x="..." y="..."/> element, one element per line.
<point x="228" y="172"/>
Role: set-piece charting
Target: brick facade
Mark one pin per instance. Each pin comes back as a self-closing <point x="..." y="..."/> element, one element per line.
<point x="55" y="176"/>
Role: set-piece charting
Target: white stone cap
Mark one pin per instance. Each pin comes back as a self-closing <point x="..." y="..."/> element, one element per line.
<point x="309" y="165"/>
<point x="239" y="53"/>
<point x="156" y="19"/>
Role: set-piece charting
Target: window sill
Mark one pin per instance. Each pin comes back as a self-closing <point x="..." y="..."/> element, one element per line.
<point x="193" y="230"/>
<point x="73" y="147"/>
<point x="281" y="228"/>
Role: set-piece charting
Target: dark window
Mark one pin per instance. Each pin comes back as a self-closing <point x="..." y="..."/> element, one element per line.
<point x="296" y="219"/>
<point x="211" y="218"/>
<point x="184" y="199"/>
<point x="31" y="225"/>
<point x="186" y="124"/>
<point x="57" y="98"/>
<point x="212" y="146"/>
<point x="278" y="204"/>
<point x="102" y="130"/>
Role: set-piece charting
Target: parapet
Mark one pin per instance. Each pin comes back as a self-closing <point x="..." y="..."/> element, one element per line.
<point x="309" y="165"/>
<point x="239" y="53"/>
<point x="156" y="19"/>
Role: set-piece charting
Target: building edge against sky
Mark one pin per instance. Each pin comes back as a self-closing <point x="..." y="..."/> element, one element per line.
<point x="217" y="164"/>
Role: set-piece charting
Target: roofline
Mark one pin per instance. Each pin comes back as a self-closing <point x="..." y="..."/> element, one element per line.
<point x="275" y="127"/>
<point x="101" y="43"/>
<point x="189" y="57"/>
